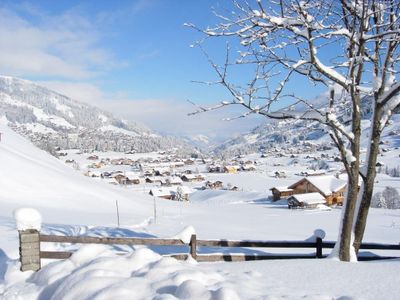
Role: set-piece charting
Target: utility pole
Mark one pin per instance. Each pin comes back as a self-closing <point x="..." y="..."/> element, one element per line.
<point x="0" y="135"/>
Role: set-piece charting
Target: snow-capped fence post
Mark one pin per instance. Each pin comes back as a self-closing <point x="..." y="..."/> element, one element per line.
<point x="28" y="222"/>
<point x="319" y="234"/>
<point x="193" y="246"/>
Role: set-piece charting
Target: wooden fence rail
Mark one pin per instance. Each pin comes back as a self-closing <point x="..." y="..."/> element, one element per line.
<point x="30" y="253"/>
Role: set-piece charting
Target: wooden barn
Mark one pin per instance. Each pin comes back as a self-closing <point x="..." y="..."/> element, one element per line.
<point x="280" y="192"/>
<point x="192" y="177"/>
<point x="330" y="187"/>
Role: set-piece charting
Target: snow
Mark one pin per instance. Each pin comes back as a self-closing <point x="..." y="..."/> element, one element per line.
<point x="75" y="205"/>
<point x="27" y="218"/>
<point x="186" y="234"/>
<point x="117" y="129"/>
<point x="39" y="128"/>
<point x="39" y="113"/>
<point x="61" y="107"/>
<point x="144" y="274"/>
<point x="251" y="139"/>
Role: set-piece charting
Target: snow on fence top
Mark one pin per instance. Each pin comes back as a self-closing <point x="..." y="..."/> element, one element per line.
<point x="185" y="234"/>
<point x="27" y="218"/>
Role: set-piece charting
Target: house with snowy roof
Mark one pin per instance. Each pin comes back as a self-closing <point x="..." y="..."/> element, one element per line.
<point x="279" y="192"/>
<point x="330" y="187"/>
<point x="309" y="200"/>
<point x="170" y="193"/>
<point x="192" y="177"/>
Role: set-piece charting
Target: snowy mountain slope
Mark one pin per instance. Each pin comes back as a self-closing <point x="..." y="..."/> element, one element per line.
<point x="50" y="119"/>
<point x="298" y="134"/>
<point x="31" y="177"/>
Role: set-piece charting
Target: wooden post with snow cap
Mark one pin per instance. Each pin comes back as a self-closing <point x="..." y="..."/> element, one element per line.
<point x="319" y="234"/>
<point x="28" y="224"/>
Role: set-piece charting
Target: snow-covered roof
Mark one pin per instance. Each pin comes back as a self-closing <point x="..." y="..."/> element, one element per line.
<point x="282" y="189"/>
<point x="159" y="192"/>
<point x="193" y="176"/>
<point x="175" y="179"/>
<point x="309" y="198"/>
<point x="327" y="184"/>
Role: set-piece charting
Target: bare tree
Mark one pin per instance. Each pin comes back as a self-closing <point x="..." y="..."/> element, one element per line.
<point x="349" y="47"/>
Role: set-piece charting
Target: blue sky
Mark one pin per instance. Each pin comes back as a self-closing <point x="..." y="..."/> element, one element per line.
<point x="129" y="57"/>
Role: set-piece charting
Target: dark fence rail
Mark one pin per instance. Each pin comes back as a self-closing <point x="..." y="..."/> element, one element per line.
<point x="30" y="253"/>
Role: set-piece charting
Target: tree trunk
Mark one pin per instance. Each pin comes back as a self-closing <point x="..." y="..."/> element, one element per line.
<point x="345" y="237"/>
<point x="346" y="230"/>
<point x="371" y="160"/>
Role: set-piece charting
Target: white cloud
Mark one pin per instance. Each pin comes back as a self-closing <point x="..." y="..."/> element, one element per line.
<point x="65" y="46"/>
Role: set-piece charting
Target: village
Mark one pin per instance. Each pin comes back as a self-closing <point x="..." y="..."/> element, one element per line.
<point x="313" y="180"/>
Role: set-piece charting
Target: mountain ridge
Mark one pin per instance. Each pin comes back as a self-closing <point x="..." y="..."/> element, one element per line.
<point x="52" y="120"/>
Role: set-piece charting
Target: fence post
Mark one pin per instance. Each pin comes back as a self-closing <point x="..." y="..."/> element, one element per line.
<point x="318" y="246"/>
<point x="193" y="246"/>
<point x="29" y="250"/>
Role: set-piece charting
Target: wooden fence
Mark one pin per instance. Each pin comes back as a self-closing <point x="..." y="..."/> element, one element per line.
<point x="31" y="254"/>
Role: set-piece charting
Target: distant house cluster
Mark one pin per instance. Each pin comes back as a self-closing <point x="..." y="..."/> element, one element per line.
<point x="312" y="191"/>
<point x="233" y="167"/>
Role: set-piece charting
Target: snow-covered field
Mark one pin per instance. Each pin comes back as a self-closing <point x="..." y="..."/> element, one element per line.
<point x="75" y="205"/>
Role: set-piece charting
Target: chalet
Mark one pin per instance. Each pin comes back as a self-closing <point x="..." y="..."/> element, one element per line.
<point x="92" y="174"/>
<point x="280" y="192"/>
<point x="175" y="180"/>
<point x="125" y="180"/>
<point x="153" y="179"/>
<point x="215" y="169"/>
<point x="162" y="193"/>
<point x="331" y="188"/>
<point x="248" y="167"/>
<point x="171" y="181"/>
<point x="162" y="172"/>
<point x="280" y="174"/>
<point x="310" y="200"/>
<point x="170" y="193"/>
<point x="192" y="177"/>
<point x="231" y="169"/>
<point x="216" y="185"/>
<point x="121" y="179"/>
